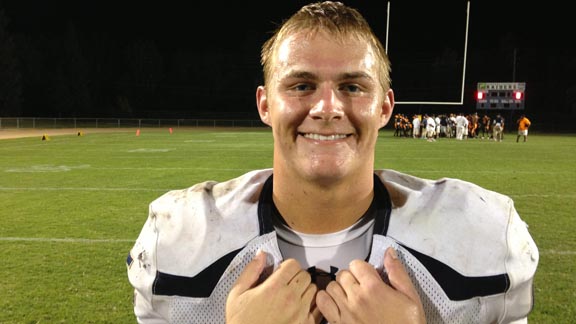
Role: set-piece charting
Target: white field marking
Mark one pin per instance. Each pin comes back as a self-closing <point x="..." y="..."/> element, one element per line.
<point x="82" y="189"/>
<point x="544" y="195"/>
<point x="150" y="150"/>
<point x="199" y="141"/>
<point x="84" y="240"/>
<point x="63" y="240"/>
<point x="69" y="168"/>
<point x="227" y="134"/>
<point x="164" y="190"/>
<point x="48" y="168"/>
<point x="487" y="171"/>
<point x="554" y="252"/>
<point x="176" y="168"/>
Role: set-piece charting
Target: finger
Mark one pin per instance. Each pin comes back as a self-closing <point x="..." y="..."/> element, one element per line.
<point x="327" y="305"/>
<point x="301" y="281"/>
<point x="308" y="298"/>
<point x="364" y="273"/>
<point x="335" y="290"/>
<point x="286" y="272"/>
<point x="399" y="278"/>
<point x="309" y="294"/>
<point x="347" y="280"/>
<point x="316" y="315"/>
<point x="250" y="274"/>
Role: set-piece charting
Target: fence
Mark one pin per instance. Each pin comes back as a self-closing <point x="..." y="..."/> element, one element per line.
<point x="558" y="125"/>
<point x="55" y="123"/>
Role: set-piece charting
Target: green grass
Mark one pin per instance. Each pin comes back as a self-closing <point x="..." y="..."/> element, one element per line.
<point x="72" y="206"/>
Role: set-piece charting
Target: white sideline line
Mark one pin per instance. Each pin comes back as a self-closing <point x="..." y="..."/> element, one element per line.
<point x="85" y="189"/>
<point x="63" y="240"/>
<point x="166" y="190"/>
<point x="487" y="171"/>
<point x="544" y="195"/>
<point x="558" y="252"/>
<point x="82" y="240"/>
<point x="177" y="168"/>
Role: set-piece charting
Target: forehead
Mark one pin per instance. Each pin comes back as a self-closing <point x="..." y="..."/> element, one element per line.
<point x="320" y="50"/>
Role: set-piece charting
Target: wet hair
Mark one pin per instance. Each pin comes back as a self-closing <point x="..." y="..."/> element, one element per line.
<point x="338" y="20"/>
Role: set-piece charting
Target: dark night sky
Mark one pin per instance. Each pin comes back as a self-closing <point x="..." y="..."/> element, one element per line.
<point x="417" y="30"/>
<point x="209" y="19"/>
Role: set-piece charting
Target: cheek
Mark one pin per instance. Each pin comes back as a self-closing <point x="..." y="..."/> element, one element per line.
<point x="369" y="115"/>
<point x="285" y="112"/>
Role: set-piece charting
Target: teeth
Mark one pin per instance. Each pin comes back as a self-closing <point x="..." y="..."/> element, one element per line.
<point x="325" y="138"/>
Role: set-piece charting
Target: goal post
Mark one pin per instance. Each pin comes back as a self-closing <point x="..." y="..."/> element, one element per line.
<point x="463" y="78"/>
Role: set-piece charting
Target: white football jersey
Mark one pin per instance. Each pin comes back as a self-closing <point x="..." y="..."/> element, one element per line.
<point x="469" y="254"/>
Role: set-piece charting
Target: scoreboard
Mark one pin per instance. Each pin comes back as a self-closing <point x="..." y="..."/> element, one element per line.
<point x="500" y="95"/>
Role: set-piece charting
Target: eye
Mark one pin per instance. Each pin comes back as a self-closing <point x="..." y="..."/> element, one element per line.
<point x="353" y="88"/>
<point x="303" y="87"/>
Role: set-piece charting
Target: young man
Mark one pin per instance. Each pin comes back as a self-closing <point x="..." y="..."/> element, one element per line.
<point x="322" y="236"/>
<point x="523" y="125"/>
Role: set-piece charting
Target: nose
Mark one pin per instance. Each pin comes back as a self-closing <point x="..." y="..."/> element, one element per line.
<point x="327" y="106"/>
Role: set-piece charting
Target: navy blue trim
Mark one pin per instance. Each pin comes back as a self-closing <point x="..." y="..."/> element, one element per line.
<point x="265" y="207"/>
<point x="459" y="287"/>
<point x="201" y="285"/>
<point x="383" y="206"/>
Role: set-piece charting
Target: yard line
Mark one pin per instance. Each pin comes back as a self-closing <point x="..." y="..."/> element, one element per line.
<point x="490" y="171"/>
<point x="63" y="240"/>
<point x="167" y="168"/>
<point x="165" y="190"/>
<point x="545" y="195"/>
<point x="84" y="240"/>
<point x="63" y="168"/>
<point x="82" y="189"/>
<point x="554" y="252"/>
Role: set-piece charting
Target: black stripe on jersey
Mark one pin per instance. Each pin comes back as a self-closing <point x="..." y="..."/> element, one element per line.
<point x="383" y="206"/>
<point x="201" y="285"/>
<point x="265" y="207"/>
<point x="460" y="287"/>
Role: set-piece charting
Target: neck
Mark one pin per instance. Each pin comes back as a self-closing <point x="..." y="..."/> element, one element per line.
<point x="312" y="208"/>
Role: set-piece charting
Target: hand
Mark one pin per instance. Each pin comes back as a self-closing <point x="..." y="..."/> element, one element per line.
<point x="359" y="295"/>
<point x="287" y="296"/>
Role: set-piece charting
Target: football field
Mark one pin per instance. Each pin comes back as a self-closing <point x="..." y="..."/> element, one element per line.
<point x="72" y="206"/>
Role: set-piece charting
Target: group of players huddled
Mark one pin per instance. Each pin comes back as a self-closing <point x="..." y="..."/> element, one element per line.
<point x="454" y="125"/>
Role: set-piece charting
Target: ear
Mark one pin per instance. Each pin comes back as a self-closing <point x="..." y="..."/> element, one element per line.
<point x="387" y="108"/>
<point x="262" y="103"/>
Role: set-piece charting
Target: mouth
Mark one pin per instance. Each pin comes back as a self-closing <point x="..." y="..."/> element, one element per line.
<point x="320" y="137"/>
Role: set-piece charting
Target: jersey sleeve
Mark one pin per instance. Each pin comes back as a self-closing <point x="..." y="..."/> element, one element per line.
<point x="521" y="264"/>
<point x="141" y="267"/>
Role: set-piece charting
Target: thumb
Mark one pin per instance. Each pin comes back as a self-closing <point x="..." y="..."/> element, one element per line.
<point x="250" y="275"/>
<point x="399" y="278"/>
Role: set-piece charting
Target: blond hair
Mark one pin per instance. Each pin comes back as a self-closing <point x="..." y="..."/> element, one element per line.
<point x="338" y="20"/>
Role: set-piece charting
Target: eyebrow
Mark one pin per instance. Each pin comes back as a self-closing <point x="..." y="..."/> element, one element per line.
<point x="342" y="76"/>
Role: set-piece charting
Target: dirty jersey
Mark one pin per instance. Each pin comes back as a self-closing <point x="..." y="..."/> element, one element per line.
<point x="467" y="251"/>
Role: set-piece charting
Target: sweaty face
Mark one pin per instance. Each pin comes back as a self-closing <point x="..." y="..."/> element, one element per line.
<point x="325" y="106"/>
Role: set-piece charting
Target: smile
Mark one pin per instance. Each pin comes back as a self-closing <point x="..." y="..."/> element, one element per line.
<point x="319" y="137"/>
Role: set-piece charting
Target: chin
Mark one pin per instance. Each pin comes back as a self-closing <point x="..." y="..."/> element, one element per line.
<point x="326" y="173"/>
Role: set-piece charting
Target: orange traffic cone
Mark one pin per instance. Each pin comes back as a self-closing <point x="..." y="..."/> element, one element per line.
<point x="138" y="132"/>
